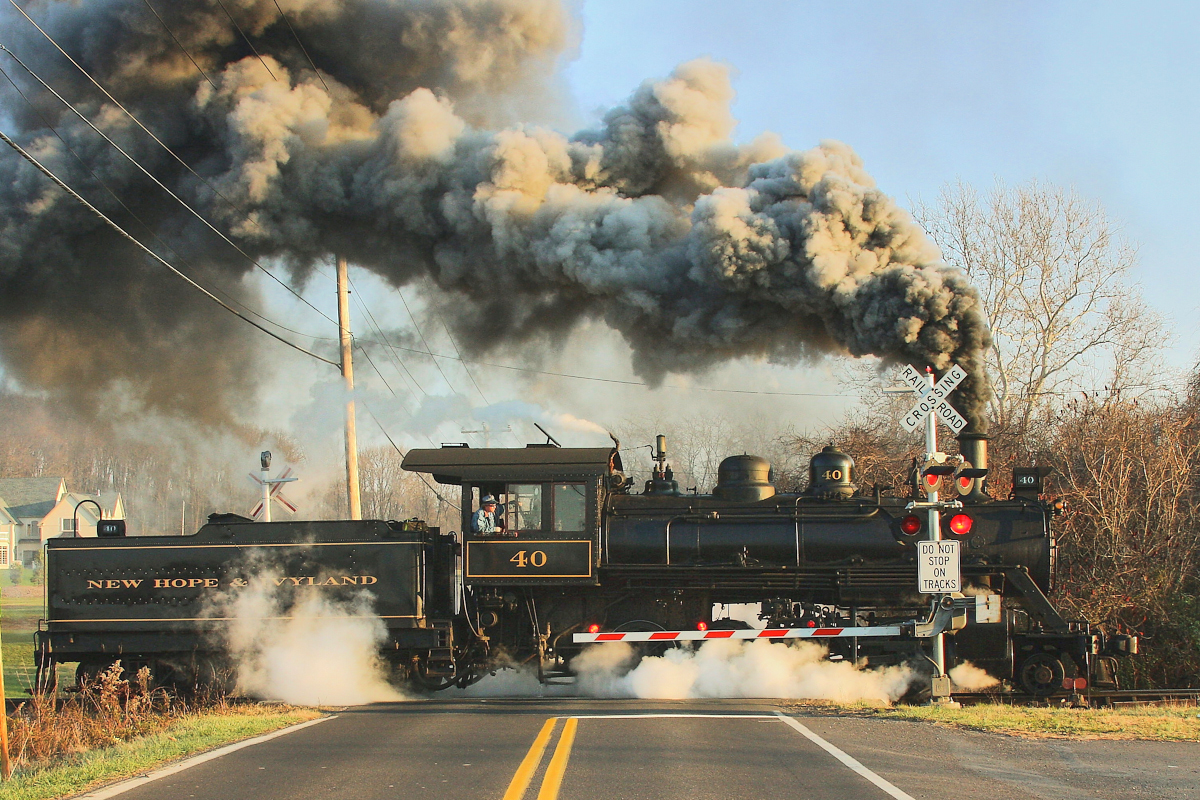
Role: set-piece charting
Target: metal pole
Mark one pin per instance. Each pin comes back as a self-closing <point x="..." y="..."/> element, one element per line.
<point x="935" y="527"/>
<point x="348" y="374"/>
<point x="266" y="501"/>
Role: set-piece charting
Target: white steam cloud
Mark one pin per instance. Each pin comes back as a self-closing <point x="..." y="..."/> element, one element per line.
<point x="315" y="652"/>
<point x="720" y="668"/>
<point x="967" y="677"/>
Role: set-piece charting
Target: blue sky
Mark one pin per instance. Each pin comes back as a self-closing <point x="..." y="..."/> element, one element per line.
<point x="1099" y="96"/>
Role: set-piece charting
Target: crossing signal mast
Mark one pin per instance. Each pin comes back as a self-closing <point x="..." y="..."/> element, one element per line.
<point x="938" y="570"/>
<point x="271" y="489"/>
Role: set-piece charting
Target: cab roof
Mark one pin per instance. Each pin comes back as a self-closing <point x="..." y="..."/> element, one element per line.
<point x="459" y="464"/>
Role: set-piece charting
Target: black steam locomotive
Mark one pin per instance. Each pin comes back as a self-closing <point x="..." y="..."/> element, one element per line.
<point x="580" y="552"/>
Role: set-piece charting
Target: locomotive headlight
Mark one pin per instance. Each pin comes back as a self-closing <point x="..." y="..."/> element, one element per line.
<point x="910" y="524"/>
<point x="960" y="524"/>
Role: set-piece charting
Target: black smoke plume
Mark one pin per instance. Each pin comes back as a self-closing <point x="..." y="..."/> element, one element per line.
<point x="400" y="153"/>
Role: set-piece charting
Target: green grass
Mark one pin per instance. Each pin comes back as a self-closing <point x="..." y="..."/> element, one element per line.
<point x="1168" y="723"/>
<point x="190" y="735"/>
<point x="18" y="620"/>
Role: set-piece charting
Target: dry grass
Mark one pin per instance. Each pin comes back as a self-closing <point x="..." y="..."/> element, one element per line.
<point x="1167" y="723"/>
<point x="106" y="711"/>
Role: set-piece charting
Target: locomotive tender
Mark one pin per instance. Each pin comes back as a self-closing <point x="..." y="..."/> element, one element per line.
<point x="581" y="552"/>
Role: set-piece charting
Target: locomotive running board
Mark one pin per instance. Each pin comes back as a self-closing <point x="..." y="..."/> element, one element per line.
<point x="942" y="619"/>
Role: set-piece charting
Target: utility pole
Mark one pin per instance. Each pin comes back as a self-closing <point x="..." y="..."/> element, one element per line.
<point x="487" y="433"/>
<point x="348" y="375"/>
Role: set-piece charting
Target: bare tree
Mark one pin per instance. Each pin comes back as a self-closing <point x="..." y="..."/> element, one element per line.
<point x="1055" y="281"/>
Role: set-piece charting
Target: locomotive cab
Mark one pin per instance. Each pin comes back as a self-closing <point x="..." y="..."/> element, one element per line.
<point x="548" y="509"/>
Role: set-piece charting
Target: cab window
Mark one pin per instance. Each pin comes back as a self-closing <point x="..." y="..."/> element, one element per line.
<point x="523" y="507"/>
<point x="570" y="507"/>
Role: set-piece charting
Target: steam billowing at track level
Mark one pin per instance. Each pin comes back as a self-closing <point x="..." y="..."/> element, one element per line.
<point x="401" y="154"/>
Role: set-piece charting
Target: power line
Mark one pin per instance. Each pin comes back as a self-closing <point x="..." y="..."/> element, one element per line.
<point x="253" y="49"/>
<point x="62" y="185"/>
<point x="149" y="230"/>
<point x="161" y="185"/>
<point x="610" y="380"/>
<point x="436" y="493"/>
<point x="302" y="47"/>
<point x="181" y="47"/>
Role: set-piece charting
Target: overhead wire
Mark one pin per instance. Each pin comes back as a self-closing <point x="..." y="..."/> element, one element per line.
<point x="62" y="185"/>
<point x="253" y="49"/>
<point x="161" y="185"/>
<point x="217" y="192"/>
<point x="133" y="215"/>
<point x="175" y="39"/>
<point x="303" y="49"/>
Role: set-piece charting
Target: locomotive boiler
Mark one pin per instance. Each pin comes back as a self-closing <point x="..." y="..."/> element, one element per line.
<point x="580" y="554"/>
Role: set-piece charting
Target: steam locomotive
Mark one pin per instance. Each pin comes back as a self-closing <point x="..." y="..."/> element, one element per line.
<point x="582" y="557"/>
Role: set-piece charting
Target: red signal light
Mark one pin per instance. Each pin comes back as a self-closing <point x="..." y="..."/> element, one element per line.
<point x="593" y="628"/>
<point x="932" y="481"/>
<point x="701" y="626"/>
<point x="910" y="524"/>
<point x="965" y="483"/>
<point x="812" y="623"/>
<point x="961" y="524"/>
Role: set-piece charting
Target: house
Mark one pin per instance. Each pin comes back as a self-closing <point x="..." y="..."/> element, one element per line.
<point x="33" y="510"/>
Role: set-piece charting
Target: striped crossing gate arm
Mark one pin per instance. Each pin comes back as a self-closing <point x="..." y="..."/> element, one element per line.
<point x="768" y="633"/>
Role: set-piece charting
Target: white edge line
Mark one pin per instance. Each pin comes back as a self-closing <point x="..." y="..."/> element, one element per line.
<point x="848" y="760"/>
<point x="133" y="783"/>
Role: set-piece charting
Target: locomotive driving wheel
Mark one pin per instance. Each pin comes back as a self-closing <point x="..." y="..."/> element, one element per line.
<point x="1041" y="674"/>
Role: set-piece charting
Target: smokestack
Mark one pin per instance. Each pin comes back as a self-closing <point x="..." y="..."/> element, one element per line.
<point x="973" y="446"/>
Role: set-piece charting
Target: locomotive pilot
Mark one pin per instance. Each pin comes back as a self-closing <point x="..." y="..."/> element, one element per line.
<point x="484" y="520"/>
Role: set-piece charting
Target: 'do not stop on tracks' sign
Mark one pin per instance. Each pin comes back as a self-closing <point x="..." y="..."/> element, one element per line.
<point x="938" y="567"/>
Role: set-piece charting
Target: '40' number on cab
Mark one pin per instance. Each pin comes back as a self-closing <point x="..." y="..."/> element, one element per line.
<point x="524" y="558"/>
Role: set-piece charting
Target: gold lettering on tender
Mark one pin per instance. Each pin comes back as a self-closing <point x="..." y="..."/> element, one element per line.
<point x="178" y="583"/>
<point x="331" y="582"/>
<point x="210" y="583"/>
<point x="310" y="580"/>
<point x="112" y="584"/>
<point x="194" y="582"/>
<point x="367" y="580"/>
<point x="350" y="580"/>
<point x="295" y="581"/>
<point x="94" y="585"/>
<point x="130" y="583"/>
<point x="161" y="583"/>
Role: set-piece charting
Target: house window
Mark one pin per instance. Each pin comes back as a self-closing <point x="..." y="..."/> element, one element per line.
<point x="570" y="507"/>
<point x="68" y="525"/>
<point x="3" y="555"/>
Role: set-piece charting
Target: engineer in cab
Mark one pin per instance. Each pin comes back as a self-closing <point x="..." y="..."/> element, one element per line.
<point x="485" y="521"/>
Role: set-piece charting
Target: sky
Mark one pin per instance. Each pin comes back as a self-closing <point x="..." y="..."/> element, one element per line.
<point x="1099" y="96"/>
<point x="1096" y="96"/>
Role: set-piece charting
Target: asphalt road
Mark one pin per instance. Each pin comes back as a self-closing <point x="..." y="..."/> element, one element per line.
<point x="475" y="749"/>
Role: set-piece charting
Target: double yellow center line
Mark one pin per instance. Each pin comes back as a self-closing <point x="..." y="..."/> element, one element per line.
<point x="552" y="781"/>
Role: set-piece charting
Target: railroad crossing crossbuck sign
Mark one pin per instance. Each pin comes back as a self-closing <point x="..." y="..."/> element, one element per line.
<point x="274" y="493"/>
<point x="933" y="399"/>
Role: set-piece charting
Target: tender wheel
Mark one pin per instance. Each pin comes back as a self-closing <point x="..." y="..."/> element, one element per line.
<point x="1041" y="674"/>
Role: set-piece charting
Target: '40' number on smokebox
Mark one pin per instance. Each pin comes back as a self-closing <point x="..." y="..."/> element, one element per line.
<point x="535" y="559"/>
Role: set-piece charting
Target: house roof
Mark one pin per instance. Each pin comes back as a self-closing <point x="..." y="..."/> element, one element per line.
<point x="107" y="500"/>
<point x="5" y="517"/>
<point x="31" y="497"/>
